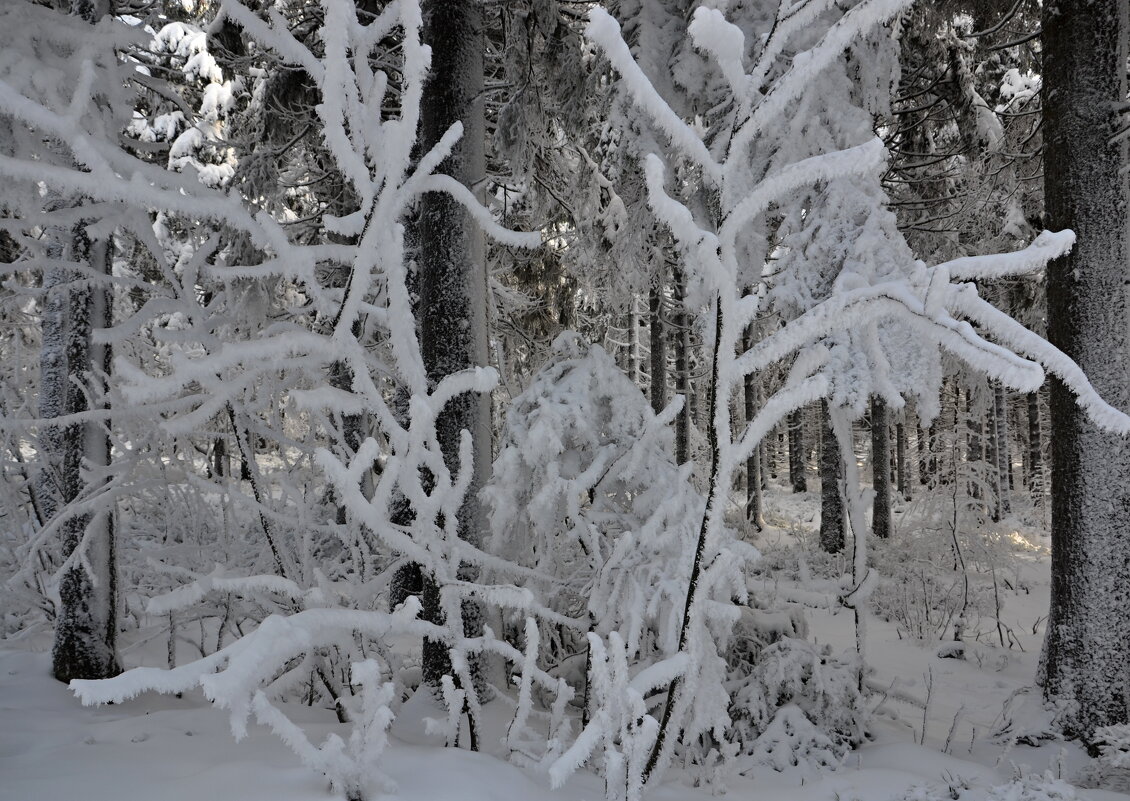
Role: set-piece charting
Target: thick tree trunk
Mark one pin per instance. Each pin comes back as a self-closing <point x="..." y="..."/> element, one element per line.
<point x="1087" y="646"/>
<point x="451" y="258"/>
<point x="85" y="644"/>
<point x="797" y="451"/>
<point x="832" y="517"/>
<point x="880" y="468"/>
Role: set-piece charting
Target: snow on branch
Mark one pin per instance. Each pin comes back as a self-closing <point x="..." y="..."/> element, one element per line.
<point x="605" y="32"/>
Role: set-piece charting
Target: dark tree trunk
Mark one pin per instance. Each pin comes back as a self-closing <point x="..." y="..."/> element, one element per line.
<point x="880" y="468"/>
<point x="832" y="518"/>
<point x="1035" y="451"/>
<point x="903" y="470"/>
<point x="451" y="259"/>
<point x="1087" y="645"/>
<point x="1001" y="459"/>
<point x="658" y="336"/>
<point x="85" y="645"/>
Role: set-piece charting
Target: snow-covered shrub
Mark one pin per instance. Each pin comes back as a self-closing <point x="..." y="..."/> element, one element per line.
<point x="585" y="492"/>
<point x="826" y="713"/>
<point x="1044" y="787"/>
<point x="792" y="741"/>
<point x="1113" y="743"/>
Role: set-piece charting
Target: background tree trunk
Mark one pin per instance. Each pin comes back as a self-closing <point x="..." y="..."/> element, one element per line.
<point x="832" y="516"/>
<point x="797" y="451"/>
<point x="880" y="468"/>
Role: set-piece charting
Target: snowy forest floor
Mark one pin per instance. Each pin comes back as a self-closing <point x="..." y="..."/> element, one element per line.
<point x="167" y="748"/>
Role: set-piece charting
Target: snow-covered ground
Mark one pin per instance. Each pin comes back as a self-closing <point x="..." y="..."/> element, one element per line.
<point x="168" y="749"/>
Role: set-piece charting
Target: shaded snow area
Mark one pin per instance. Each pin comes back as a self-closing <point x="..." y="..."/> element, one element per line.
<point x="974" y="711"/>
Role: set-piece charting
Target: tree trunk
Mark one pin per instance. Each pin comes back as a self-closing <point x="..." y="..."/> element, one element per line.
<point x="658" y="336"/>
<point x="682" y="369"/>
<point x="796" y="451"/>
<point x="451" y="258"/>
<point x="880" y="468"/>
<point x="753" y="463"/>
<point x="1087" y="645"/>
<point x="832" y="536"/>
<point x="903" y="470"/>
<point x="85" y="645"/>
<point x="1001" y="456"/>
<point x="1035" y="451"/>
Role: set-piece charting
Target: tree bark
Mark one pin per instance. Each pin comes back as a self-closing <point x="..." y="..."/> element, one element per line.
<point x="1035" y="451"/>
<point x="753" y="463"/>
<point x="903" y="470"/>
<point x="85" y="645"/>
<point x="832" y="518"/>
<point x="658" y="337"/>
<point x="451" y="259"/>
<point x="682" y="369"/>
<point x="1087" y="645"/>
<point x="880" y="468"/>
<point x="797" y="451"/>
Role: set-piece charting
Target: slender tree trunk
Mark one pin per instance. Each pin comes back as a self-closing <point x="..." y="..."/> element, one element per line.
<point x="658" y="333"/>
<point x="451" y="257"/>
<point x="753" y="463"/>
<point x="1087" y="647"/>
<point x="1035" y="451"/>
<point x="797" y="451"/>
<point x="974" y="448"/>
<point x="682" y="369"/>
<point x="880" y="468"/>
<point x="1002" y="459"/>
<point x="832" y="518"/>
<point x="903" y="470"/>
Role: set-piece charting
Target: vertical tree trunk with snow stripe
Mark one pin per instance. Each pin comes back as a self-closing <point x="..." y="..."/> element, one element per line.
<point x="85" y="644"/>
<point x="451" y="255"/>
<point x="1086" y="656"/>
